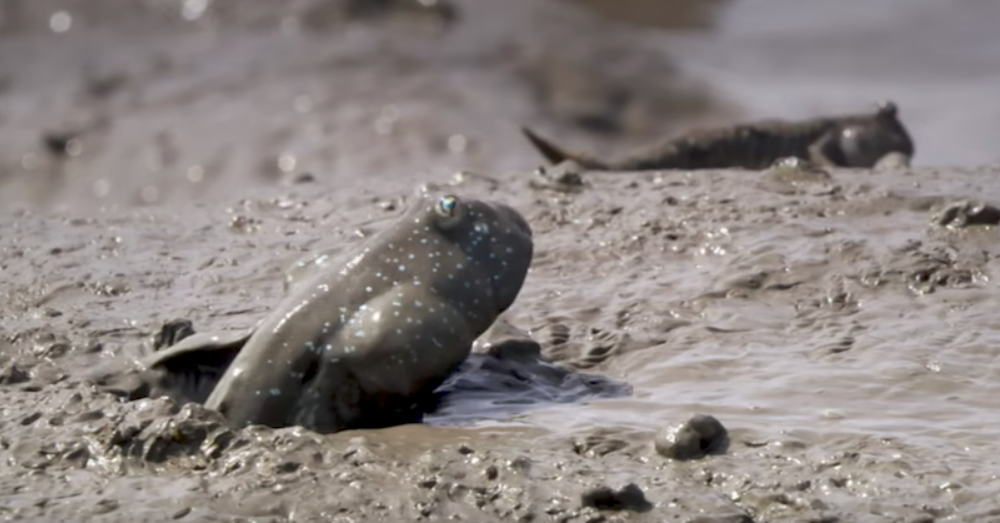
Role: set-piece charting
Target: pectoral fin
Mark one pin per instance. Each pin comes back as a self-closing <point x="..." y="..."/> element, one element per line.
<point x="190" y="369"/>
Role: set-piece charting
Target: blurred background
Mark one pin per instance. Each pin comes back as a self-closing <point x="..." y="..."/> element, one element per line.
<point x="146" y="102"/>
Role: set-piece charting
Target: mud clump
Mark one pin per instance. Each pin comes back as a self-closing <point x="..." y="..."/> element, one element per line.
<point x="195" y="431"/>
<point x="564" y="177"/>
<point x="629" y="497"/>
<point x="12" y="374"/>
<point x="698" y="437"/>
<point x="967" y="214"/>
<point x="191" y="432"/>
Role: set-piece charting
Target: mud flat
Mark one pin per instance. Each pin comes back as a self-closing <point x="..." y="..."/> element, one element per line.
<point x="171" y="159"/>
<point x="843" y="337"/>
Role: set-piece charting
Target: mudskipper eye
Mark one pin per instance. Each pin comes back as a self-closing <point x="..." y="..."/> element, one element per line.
<point x="447" y="206"/>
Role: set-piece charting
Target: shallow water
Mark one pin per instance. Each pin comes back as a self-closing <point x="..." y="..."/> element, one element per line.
<point x="844" y="340"/>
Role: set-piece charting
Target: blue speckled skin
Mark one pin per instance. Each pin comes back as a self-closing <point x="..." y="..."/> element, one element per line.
<point x="362" y="344"/>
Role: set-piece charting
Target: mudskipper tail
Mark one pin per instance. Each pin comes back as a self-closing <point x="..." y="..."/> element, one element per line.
<point x="555" y="154"/>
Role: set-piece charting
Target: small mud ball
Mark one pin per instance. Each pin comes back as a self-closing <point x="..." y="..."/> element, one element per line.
<point x="699" y="436"/>
<point x="628" y="497"/>
<point x="966" y="213"/>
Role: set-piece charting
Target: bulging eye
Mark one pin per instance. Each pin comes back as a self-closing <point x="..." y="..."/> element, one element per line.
<point x="447" y="206"/>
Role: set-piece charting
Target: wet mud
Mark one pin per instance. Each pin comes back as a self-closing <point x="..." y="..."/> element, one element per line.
<point x="710" y="293"/>
<point x="783" y="345"/>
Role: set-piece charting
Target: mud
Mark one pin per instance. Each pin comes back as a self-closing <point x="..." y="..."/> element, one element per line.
<point x="705" y="293"/>
<point x="841" y="331"/>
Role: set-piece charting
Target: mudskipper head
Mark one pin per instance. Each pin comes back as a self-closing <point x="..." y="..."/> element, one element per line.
<point x="869" y="140"/>
<point x="494" y="240"/>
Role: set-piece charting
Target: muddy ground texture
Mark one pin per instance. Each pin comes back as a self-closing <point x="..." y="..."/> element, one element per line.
<point x="142" y="182"/>
<point x="81" y="291"/>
